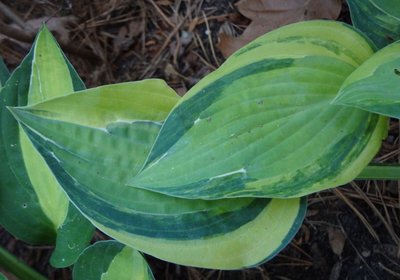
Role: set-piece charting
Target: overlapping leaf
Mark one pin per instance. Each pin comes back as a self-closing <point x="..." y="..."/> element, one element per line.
<point x="33" y="207"/>
<point x="94" y="153"/>
<point x="262" y="124"/>
<point x="375" y="85"/>
<point x="111" y="260"/>
<point x="20" y="212"/>
<point x="378" y="19"/>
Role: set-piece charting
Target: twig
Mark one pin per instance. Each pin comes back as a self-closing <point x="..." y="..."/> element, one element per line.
<point x="356" y="250"/>
<point x="200" y="43"/>
<point x="219" y="18"/>
<point x="296" y="261"/>
<point x="166" y="19"/>
<point x="5" y="10"/>
<point x="15" y="33"/>
<point x="26" y="33"/>
<point x="210" y="66"/>
<point x="393" y="273"/>
<point x="23" y="36"/>
<point x="300" y="250"/>
<point x="210" y="40"/>
<point x="385" y="222"/>
<point x="166" y="43"/>
<point x="359" y="215"/>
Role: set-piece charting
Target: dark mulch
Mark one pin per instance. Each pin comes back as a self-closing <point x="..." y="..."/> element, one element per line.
<point x="349" y="233"/>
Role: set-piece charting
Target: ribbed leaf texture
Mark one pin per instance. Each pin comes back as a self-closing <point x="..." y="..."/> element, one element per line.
<point x="215" y="179"/>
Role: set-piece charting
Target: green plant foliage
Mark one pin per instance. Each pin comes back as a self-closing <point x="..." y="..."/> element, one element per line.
<point x="380" y="172"/>
<point x="118" y="129"/>
<point x="111" y="260"/>
<point x="33" y="206"/>
<point x="375" y="85"/>
<point x="215" y="179"/>
<point x="262" y="124"/>
<point x="2" y="276"/>
<point x="17" y="268"/>
<point x="20" y="212"/>
<point x="4" y="73"/>
<point x="378" y="19"/>
<point x="72" y="238"/>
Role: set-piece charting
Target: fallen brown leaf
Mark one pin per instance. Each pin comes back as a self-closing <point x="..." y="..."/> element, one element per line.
<point x="125" y="36"/>
<point x="164" y="2"/>
<point x="57" y="25"/>
<point x="336" y="240"/>
<point x="267" y="15"/>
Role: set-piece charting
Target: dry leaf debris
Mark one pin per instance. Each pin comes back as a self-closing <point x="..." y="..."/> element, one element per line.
<point x="267" y="15"/>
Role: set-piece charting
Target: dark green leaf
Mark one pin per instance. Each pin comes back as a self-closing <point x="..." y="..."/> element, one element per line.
<point x="378" y="19"/>
<point x="110" y="260"/>
<point x="375" y="85"/>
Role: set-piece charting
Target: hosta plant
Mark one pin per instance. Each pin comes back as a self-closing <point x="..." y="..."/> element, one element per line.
<point x="378" y="19"/>
<point x="218" y="178"/>
<point x="33" y="206"/>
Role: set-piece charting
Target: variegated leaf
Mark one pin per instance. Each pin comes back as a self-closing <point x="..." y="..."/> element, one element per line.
<point x="378" y="19"/>
<point x="34" y="207"/>
<point x="375" y="85"/>
<point x="20" y="211"/>
<point x="111" y="260"/>
<point x="94" y="153"/>
<point x="262" y="124"/>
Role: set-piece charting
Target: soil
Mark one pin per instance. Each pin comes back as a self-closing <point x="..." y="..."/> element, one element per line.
<point x="351" y="232"/>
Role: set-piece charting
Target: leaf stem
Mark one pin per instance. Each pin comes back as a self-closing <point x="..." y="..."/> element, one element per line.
<point x="18" y="268"/>
<point x="380" y="172"/>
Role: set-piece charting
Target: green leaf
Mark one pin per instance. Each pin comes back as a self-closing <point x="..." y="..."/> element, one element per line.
<point x="375" y="85"/>
<point x="2" y="276"/>
<point x="379" y="20"/>
<point x="33" y="205"/>
<point x="262" y="124"/>
<point x="20" y="211"/>
<point x="4" y="73"/>
<point x="81" y="149"/>
<point x="48" y="66"/>
<point x="72" y="238"/>
<point x="118" y="103"/>
<point x="110" y="260"/>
